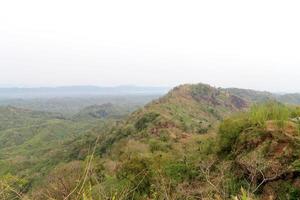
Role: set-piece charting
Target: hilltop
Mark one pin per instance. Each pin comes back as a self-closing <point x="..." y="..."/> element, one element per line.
<point x="189" y="108"/>
<point x="177" y="141"/>
<point x="197" y="141"/>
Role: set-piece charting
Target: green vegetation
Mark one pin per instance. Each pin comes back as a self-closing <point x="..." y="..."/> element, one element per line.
<point x="254" y="121"/>
<point x="70" y="106"/>
<point x="197" y="142"/>
<point x="264" y="144"/>
<point x="229" y="131"/>
<point x="259" y="114"/>
<point x="143" y="122"/>
<point x="33" y="143"/>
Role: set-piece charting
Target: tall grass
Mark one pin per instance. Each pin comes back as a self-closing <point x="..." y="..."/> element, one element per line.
<point x="260" y="113"/>
<point x="257" y="116"/>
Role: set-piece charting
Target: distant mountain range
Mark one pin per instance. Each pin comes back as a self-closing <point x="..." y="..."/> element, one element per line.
<point x="77" y="91"/>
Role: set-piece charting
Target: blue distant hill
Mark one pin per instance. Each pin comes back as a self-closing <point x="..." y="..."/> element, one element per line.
<point x="77" y="91"/>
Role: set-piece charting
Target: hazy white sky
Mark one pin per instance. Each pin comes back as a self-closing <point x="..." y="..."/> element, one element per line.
<point x="249" y="44"/>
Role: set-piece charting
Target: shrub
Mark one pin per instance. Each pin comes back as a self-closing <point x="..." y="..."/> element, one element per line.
<point x="61" y="181"/>
<point x="137" y="171"/>
<point x="228" y="133"/>
<point x="202" y="130"/>
<point x="258" y="115"/>
<point x="157" y="145"/>
<point x="164" y="136"/>
<point x="286" y="190"/>
<point x="294" y="194"/>
<point x="295" y="112"/>
<point x="12" y="187"/>
<point x="112" y="188"/>
<point x="143" y="122"/>
<point x="179" y="171"/>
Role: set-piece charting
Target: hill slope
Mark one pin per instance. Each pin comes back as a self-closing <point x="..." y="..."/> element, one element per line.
<point x="34" y="142"/>
<point x="165" y="140"/>
<point x="192" y="108"/>
<point x="104" y="111"/>
<point x="159" y="138"/>
<point x="169" y="149"/>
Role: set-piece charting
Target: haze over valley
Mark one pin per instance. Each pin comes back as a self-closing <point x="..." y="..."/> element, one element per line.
<point x="149" y="100"/>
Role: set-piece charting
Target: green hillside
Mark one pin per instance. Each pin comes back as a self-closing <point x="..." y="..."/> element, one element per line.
<point x="12" y="117"/>
<point x="196" y="142"/>
<point x="33" y="142"/>
<point x="104" y="111"/>
<point x="166" y="129"/>
<point x="69" y="106"/>
<point x="192" y="108"/>
<point x="257" y="151"/>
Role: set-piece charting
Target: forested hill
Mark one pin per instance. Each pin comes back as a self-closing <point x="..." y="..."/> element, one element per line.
<point x="174" y="147"/>
<point x="195" y="142"/>
<point x="192" y="108"/>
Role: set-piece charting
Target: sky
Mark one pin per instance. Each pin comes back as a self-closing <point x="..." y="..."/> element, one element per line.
<point x="247" y="44"/>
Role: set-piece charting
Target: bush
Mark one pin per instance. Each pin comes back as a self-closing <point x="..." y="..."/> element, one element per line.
<point x="143" y="122"/>
<point x="295" y="112"/>
<point x="112" y="188"/>
<point x="61" y="181"/>
<point x="202" y="130"/>
<point x="258" y="115"/>
<point x="228" y="133"/>
<point x="137" y="171"/>
<point x="179" y="171"/>
<point x="157" y="145"/>
<point x="12" y="187"/>
<point x="286" y="190"/>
